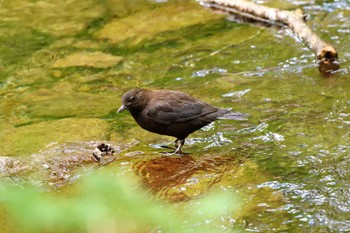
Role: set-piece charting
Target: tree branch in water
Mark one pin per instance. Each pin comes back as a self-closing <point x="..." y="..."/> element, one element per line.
<point x="326" y="54"/>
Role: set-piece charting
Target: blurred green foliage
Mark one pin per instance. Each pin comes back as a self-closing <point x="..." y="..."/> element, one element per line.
<point x="104" y="203"/>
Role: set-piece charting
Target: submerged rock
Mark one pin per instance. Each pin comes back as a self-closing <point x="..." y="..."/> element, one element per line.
<point x="56" y="165"/>
<point x="91" y="59"/>
<point x="146" y="25"/>
<point x="29" y="139"/>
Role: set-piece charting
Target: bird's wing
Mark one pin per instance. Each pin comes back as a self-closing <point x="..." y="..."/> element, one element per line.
<point x="177" y="110"/>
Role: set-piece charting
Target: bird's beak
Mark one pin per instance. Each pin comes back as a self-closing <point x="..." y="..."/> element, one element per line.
<point x="122" y="108"/>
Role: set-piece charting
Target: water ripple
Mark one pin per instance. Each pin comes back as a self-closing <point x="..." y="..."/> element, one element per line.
<point x="203" y="73"/>
<point x="270" y="137"/>
<point x="237" y="94"/>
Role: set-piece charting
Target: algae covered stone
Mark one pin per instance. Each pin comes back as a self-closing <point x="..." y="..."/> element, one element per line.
<point x="90" y="59"/>
<point x="146" y="25"/>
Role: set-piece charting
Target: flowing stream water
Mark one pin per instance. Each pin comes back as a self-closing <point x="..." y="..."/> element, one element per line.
<point x="66" y="64"/>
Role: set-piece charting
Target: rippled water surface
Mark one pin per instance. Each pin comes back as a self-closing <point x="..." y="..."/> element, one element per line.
<point x="66" y="64"/>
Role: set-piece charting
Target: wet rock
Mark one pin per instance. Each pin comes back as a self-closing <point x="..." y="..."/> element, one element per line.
<point x="56" y="165"/>
<point x="91" y="59"/>
<point x="10" y="166"/>
<point x="3" y="161"/>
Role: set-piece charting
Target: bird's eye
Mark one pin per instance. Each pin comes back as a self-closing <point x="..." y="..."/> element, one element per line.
<point x="131" y="98"/>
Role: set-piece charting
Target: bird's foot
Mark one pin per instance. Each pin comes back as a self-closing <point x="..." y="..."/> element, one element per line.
<point x="178" y="144"/>
<point x="176" y="150"/>
<point x="101" y="150"/>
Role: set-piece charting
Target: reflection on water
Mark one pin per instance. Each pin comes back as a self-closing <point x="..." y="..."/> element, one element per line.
<point x="179" y="178"/>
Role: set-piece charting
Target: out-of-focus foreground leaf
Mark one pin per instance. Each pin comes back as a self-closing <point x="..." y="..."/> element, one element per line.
<point x="104" y="203"/>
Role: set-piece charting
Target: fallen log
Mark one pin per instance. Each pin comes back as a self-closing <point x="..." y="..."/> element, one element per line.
<point x="326" y="54"/>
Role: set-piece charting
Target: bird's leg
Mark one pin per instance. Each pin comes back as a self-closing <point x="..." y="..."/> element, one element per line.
<point x="178" y="144"/>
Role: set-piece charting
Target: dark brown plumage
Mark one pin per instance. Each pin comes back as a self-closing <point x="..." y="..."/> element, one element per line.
<point x="172" y="113"/>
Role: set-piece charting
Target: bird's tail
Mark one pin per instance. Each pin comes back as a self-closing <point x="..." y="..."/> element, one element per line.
<point x="238" y="116"/>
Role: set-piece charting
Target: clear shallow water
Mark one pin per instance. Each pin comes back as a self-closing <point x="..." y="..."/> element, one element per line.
<point x="288" y="161"/>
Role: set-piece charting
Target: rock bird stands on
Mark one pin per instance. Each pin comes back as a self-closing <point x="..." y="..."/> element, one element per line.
<point x="172" y="113"/>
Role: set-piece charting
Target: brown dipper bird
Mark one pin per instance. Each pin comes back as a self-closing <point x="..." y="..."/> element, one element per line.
<point x="172" y="113"/>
